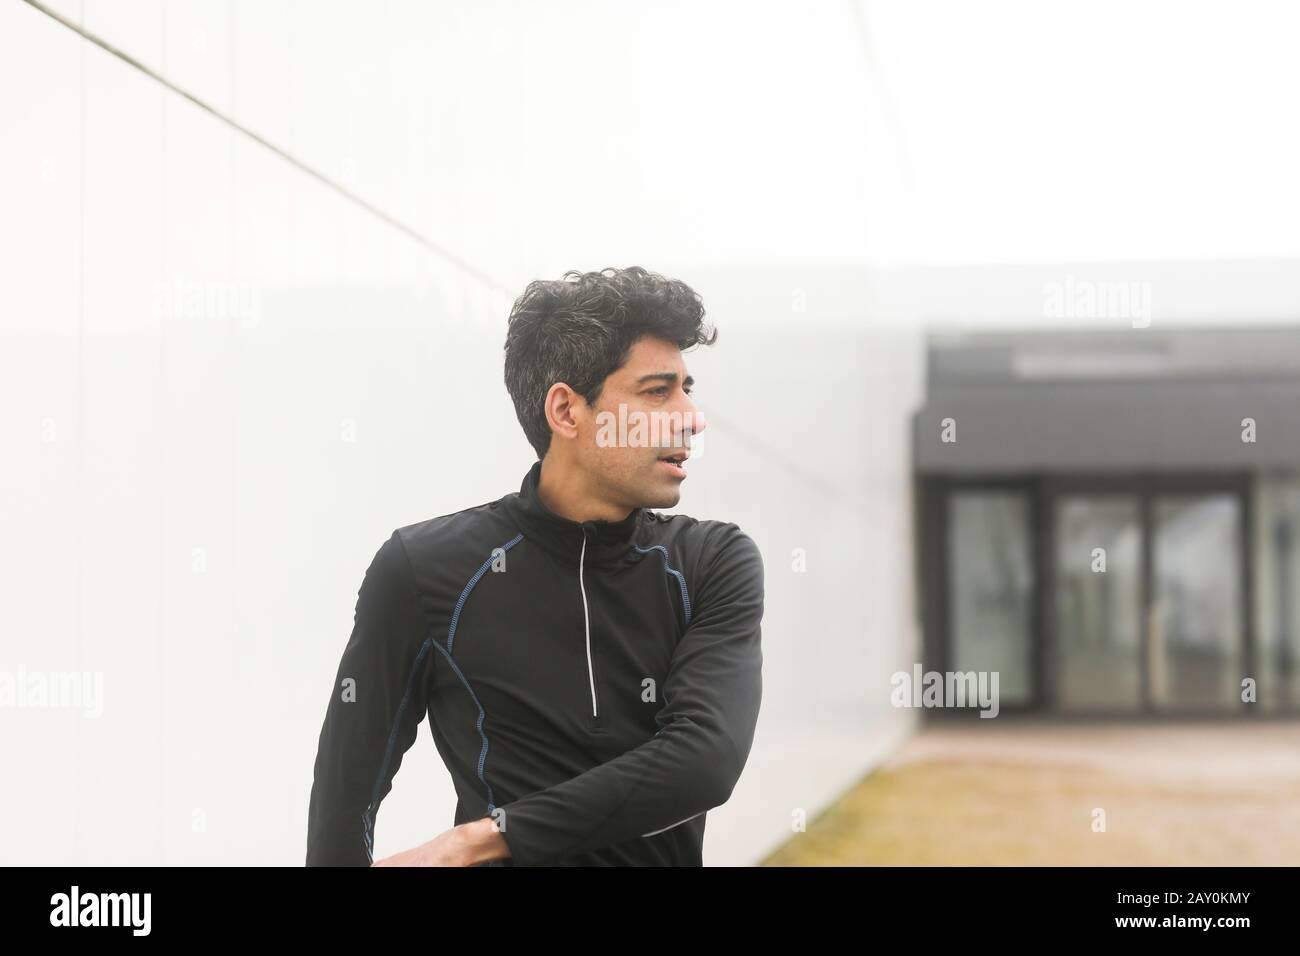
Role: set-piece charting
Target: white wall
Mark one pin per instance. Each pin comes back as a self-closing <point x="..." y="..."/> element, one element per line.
<point x="192" y="491"/>
<point x="937" y="132"/>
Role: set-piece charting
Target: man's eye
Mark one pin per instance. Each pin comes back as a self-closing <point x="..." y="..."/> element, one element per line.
<point x="661" y="390"/>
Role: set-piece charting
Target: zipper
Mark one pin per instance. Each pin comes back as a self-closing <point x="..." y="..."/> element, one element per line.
<point x="593" y="721"/>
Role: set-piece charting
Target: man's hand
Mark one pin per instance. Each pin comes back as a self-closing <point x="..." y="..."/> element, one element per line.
<point x="466" y="845"/>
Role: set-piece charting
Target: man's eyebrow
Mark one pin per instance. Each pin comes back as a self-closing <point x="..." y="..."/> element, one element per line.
<point x="668" y="377"/>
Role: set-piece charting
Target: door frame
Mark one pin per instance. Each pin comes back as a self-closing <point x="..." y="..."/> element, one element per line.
<point x="935" y="566"/>
<point x="1145" y="487"/>
<point x="1041" y="491"/>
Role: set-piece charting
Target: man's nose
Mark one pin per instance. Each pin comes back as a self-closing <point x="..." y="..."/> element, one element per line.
<point x="696" y="419"/>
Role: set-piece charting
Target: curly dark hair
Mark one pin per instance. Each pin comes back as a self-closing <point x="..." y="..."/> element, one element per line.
<point x="580" y="328"/>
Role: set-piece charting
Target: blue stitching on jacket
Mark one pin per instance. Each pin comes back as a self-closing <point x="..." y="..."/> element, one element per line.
<point x="451" y="638"/>
<point x="451" y="634"/>
<point x="482" y="757"/>
<point x="681" y="579"/>
<point x="367" y="817"/>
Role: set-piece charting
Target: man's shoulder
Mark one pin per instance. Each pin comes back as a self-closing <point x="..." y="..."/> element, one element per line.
<point x="702" y="542"/>
<point x="472" y="532"/>
<point x="719" y="562"/>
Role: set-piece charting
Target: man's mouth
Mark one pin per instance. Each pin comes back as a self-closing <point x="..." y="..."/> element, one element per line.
<point x="675" y="464"/>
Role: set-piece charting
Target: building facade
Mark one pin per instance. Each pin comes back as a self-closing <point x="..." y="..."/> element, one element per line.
<point x="1108" y="519"/>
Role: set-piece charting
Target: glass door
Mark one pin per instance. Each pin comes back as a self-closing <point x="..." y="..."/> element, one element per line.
<point x="991" y="580"/>
<point x="1098" y="602"/>
<point x="1146" y="605"/>
<point x="1195" y="646"/>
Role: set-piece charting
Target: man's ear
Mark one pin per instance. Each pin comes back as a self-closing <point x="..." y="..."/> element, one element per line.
<point x="562" y="404"/>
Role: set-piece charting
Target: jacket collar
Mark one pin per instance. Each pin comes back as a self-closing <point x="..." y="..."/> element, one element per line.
<point x="606" y="541"/>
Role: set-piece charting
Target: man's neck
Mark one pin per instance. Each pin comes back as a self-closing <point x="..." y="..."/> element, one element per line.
<point x="563" y="488"/>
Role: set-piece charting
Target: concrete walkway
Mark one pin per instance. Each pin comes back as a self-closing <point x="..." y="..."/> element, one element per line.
<point x="1007" y="792"/>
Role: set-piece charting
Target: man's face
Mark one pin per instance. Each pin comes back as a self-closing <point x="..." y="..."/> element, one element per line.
<point x="644" y="415"/>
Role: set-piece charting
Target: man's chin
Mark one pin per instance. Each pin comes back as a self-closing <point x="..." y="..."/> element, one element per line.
<point x="662" y="497"/>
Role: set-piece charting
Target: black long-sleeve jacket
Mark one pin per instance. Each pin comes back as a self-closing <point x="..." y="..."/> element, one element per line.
<point x="594" y="687"/>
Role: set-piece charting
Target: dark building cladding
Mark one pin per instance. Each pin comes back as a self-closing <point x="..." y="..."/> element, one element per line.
<point x="1107" y="518"/>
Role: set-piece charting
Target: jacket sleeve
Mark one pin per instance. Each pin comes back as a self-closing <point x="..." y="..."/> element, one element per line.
<point x="374" y="712"/>
<point x="711" y="701"/>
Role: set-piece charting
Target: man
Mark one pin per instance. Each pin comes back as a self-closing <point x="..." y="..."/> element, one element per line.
<point x="591" y="668"/>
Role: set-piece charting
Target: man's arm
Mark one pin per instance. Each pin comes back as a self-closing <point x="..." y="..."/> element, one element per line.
<point x="706" y="727"/>
<point x="374" y="712"/>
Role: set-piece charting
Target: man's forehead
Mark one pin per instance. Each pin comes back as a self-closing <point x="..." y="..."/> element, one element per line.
<point x="652" y="355"/>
